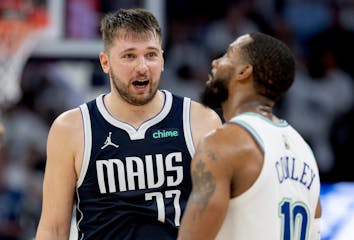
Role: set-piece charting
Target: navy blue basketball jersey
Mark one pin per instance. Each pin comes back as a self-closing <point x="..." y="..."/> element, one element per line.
<point x="134" y="183"/>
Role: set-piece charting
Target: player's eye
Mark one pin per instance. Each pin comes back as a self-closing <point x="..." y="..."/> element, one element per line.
<point x="151" y="54"/>
<point x="129" y="56"/>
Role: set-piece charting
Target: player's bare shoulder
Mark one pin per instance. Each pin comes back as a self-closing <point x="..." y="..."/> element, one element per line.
<point x="203" y="121"/>
<point x="233" y="153"/>
<point x="202" y="112"/>
<point x="67" y="129"/>
<point x="68" y="121"/>
<point x="230" y="142"/>
<point x="66" y="139"/>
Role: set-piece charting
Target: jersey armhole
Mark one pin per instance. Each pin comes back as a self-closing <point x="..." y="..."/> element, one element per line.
<point x="251" y="131"/>
<point x="87" y="143"/>
<point x="187" y="125"/>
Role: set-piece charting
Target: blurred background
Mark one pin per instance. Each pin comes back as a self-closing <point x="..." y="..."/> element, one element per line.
<point x="49" y="64"/>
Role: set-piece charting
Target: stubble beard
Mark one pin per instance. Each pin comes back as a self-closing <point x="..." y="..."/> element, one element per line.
<point x="215" y="93"/>
<point x="123" y="91"/>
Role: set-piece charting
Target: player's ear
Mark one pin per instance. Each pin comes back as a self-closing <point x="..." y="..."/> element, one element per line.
<point x="244" y="71"/>
<point x="104" y="62"/>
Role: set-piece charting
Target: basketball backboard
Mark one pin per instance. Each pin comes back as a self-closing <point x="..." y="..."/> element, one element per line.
<point x="23" y="24"/>
<point x="76" y="25"/>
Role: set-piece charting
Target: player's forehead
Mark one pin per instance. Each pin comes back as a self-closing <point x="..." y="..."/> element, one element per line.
<point x="134" y="43"/>
<point x="132" y="39"/>
<point x="128" y="35"/>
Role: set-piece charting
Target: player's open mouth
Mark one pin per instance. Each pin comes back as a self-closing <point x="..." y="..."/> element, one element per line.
<point x="141" y="84"/>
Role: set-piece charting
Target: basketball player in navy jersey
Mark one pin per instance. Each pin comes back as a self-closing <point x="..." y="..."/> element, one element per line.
<point x="124" y="158"/>
<point x="255" y="177"/>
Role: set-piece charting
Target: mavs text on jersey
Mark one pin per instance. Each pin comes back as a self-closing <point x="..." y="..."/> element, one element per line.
<point x="137" y="180"/>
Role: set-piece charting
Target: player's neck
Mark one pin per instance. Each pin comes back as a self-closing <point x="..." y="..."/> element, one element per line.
<point x="260" y="105"/>
<point x="132" y="114"/>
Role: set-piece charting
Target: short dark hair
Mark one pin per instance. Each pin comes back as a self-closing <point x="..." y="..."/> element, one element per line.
<point x="273" y="65"/>
<point x="135" y="22"/>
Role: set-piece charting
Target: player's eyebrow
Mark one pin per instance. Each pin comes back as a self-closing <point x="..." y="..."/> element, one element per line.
<point x="148" y="48"/>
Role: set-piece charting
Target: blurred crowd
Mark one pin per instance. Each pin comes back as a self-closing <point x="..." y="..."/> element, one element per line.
<point x="320" y="104"/>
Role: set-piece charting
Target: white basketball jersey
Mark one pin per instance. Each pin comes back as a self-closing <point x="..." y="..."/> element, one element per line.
<point x="281" y="203"/>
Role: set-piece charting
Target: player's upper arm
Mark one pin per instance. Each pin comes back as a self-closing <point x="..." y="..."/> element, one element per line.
<point x="226" y="163"/>
<point x="211" y="175"/>
<point x="203" y="121"/>
<point x="60" y="178"/>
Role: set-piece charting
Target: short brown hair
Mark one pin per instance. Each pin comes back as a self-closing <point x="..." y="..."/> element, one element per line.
<point x="135" y="22"/>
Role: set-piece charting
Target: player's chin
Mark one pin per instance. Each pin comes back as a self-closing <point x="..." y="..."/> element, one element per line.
<point x="141" y="97"/>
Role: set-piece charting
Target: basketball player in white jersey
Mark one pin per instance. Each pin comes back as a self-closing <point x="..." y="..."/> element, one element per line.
<point x="255" y="177"/>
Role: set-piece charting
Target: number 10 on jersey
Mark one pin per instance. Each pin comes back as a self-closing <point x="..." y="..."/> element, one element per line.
<point x="295" y="220"/>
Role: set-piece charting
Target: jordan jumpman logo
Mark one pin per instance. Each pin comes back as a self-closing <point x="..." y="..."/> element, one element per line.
<point x="109" y="142"/>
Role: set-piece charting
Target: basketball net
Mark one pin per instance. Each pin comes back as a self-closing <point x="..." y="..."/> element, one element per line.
<point x="18" y="38"/>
